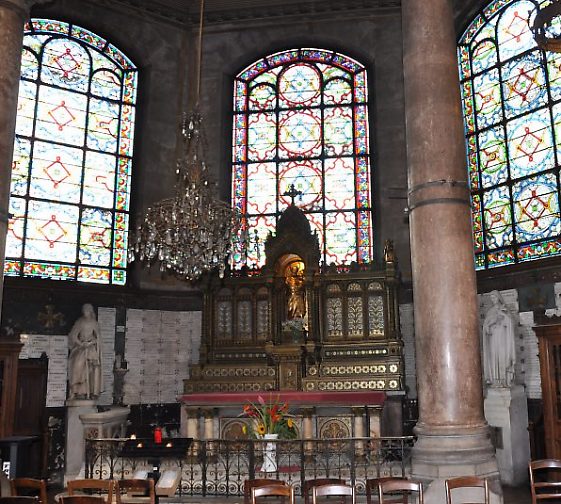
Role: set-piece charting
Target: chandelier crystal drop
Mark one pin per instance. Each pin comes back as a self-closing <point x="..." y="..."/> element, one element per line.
<point x="547" y="26"/>
<point x="190" y="233"/>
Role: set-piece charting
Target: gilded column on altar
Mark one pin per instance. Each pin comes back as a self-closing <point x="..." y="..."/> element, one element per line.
<point x="453" y="435"/>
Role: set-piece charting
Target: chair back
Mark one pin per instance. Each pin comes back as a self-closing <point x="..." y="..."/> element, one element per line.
<point x="26" y="486"/>
<point x="540" y="489"/>
<point x="310" y="484"/>
<point x="19" y="499"/>
<point x="273" y="490"/>
<point x="333" y="490"/>
<point x="137" y="490"/>
<point x="403" y="486"/>
<point x="372" y="491"/>
<point x="467" y="482"/>
<point x="81" y="499"/>
<point x="92" y="486"/>
<point x="252" y="483"/>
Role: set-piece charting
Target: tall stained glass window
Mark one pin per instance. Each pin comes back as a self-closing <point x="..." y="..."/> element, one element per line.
<point x="511" y="94"/>
<point x="72" y="157"/>
<point x="301" y="118"/>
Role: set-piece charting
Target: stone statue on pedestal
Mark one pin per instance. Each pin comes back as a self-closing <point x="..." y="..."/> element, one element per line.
<point x="499" y="355"/>
<point x="84" y="360"/>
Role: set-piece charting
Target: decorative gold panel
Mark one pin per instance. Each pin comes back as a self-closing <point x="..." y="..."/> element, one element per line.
<point x="333" y="289"/>
<point x="355" y="325"/>
<point x="252" y="386"/>
<point x="224" y="320"/>
<point x="263" y="320"/>
<point x="376" y="315"/>
<point x="350" y="385"/>
<point x="334" y="318"/>
<point x="353" y="369"/>
<point x="354" y="287"/>
<point x="244" y="320"/>
<point x="209" y="373"/>
<point x="335" y="428"/>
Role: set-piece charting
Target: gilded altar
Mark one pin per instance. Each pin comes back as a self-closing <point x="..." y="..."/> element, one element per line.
<point x="296" y="326"/>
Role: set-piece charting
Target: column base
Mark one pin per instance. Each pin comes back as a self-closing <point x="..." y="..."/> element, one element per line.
<point x="442" y="453"/>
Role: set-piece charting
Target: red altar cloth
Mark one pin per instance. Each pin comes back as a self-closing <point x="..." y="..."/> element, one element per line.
<point x="369" y="398"/>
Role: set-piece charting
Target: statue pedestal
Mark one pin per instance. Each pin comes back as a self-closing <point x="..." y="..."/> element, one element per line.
<point x="75" y="439"/>
<point x="506" y="411"/>
<point x="106" y="424"/>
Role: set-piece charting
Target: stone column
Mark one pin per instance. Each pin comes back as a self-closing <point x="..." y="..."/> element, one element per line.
<point x="358" y="417"/>
<point x="453" y="437"/>
<point x="209" y="429"/>
<point x="308" y="429"/>
<point x="374" y="421"/>
<point x="13" y="14"/>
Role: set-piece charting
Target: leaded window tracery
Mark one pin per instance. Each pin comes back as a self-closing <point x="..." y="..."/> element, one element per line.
<point x="301" y="119"/>
<point x="512" y="115"/>
<point x="72" y="160"/>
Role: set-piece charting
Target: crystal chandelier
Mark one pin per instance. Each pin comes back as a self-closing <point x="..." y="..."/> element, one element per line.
<point x="191" y="232"/>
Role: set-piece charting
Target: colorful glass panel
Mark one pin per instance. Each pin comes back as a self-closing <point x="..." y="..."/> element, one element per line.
<point x="71" y="171"/>
<point x="510" y="90"/>
<point x="301" y="119"/>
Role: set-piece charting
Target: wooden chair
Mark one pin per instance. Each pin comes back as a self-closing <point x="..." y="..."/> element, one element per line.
<point x="19" y="499"/>
<point x="310" y="484"/>
<point x="372" y="491"/>
<point x="542" y="490"/>
<point x="81" y="499"/>
<point x="277" y="489"/>
<point x="403" y="486"/>
<point x="27" y="486"/>
<point x="137" y="491"/>
<point x="98" y="488"/>
<point x="467" y="482"/>
<point x="333" y="490"/>
<point x="254" y="483"/>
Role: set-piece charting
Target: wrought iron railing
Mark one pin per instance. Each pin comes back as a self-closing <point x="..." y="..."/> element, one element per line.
<point x="220" y="467"/>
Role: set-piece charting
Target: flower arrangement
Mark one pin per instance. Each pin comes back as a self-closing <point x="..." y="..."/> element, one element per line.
<point x="269" y="418"/>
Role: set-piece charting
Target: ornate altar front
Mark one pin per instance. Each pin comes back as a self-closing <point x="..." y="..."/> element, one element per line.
<point x="296" y="326"/>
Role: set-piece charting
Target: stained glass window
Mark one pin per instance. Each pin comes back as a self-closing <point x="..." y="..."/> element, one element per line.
<point x="71" y="171"/>
<point x="512" y="114"/>
<point x="301" y="118"/>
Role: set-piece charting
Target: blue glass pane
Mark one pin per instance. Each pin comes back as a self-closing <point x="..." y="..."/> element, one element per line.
<point x="530" y="144"/>
<point x="524" y="86"/>
<point x="536" y="208"/>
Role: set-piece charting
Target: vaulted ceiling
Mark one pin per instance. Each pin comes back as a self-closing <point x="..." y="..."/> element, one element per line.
<point x="236" y="10"/>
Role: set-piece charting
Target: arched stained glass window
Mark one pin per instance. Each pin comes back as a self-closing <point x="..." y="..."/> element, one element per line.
<point x="301" y="118"/>
<point x="511" y="94"/>
<point x="72" y="157"/>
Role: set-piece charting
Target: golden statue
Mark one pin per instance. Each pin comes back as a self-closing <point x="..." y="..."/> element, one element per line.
<point x="297" y="295"/>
